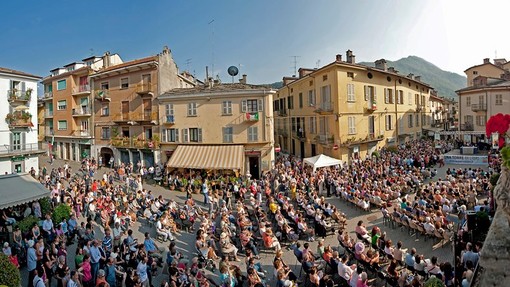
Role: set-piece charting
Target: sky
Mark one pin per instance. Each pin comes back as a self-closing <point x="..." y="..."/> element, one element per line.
<point x="265" y="39"/>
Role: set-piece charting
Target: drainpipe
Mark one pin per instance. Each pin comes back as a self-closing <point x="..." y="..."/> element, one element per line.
<point x="396" y="115"/>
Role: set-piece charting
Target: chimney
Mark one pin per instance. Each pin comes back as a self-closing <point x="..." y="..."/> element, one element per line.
<point x="486" y="61"/>
<point x="392" y="70"/>
<point x="411" y="76"/>
<point x="417" y="78"/>
<point x="381" y="64"/>
<point x="206" y="74"/>
<point x="106" y="59"/>
<point x="351" y="59"/>
<point x="339" y="58"/>
<point x="506" y="75"/>
<point x="243" y="80"/>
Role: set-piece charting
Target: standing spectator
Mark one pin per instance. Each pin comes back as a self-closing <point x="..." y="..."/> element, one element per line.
<point x="141" y="271"/>
<point x="31" y="263"/>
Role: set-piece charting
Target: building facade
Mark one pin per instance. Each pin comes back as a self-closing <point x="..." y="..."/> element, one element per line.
<point x="233" y="123"/>
<point x="346" y="110"/>
<point x="487" y="93"/>
<point x="125" y="107"/>
<point x="18" y="128"/>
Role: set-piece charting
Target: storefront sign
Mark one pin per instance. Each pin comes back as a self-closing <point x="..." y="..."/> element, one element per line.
<point x="17" y="158"/>
<point x="466" y="159"/>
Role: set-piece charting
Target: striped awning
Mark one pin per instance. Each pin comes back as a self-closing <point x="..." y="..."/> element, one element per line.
<point x="208" y="157"/>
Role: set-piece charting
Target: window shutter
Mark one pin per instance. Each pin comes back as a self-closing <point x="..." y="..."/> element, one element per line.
<point x="243" y="106"/>
<point x="23" y="140"/>
<point x="366" y="93"/>
<point x="176" y="135"/>
<point x="11" y="141"/>
<point x="260" y="105"/>
<point x="199" y="135"/>
<point x="387" y="123"/>
<point x="386" y="95"/>
<point x="185" y="135"/>
<point x="393" y="95"/>
<point x="10" y="85"/>
<point x="163" y="135"/>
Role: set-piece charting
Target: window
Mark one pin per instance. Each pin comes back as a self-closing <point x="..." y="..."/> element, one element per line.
<point x="369" y="93"/>
<point x="226" y="108"/>
<point x="499" y="100"/>
<point x="468" y="101"/>
<point x="389" y="124"/>
<point x="325" y="77"/>
<point x="61" y="105"/>
<point x="170" y="135"/>
<point x="105" y="133"/>
<point x="194" y="134"/>
<point x="311" y="98"/>
<point x="416" y="99"/>
<point x="481" y="120"/>
<point x="401" y="123"/>
<point x="61" y="85"/>
<point x="124" y="83"/>
<point x="475" y="72"/>
<point x="62" y="125"/>
<point x="352" y="125"/>
<point x="105" y="109"/>
<point x="410" y="121"/>
<point x="16" y="142"/>
<point x="313" y="125"/>
<point x="290" y="102"/>
<point x="105" y="86"/>
<point x="400" y="98"/>
<point x="228" y="134"/>
<point x="417" y="120"/>
<point x="169" y="109"/>
<point x="351" y="97"/>
<point x="252" y="106"/>
<point x="192" y="109"/>
<point x="350" y="75"/>
<point x="323" y="125"/>
<point x="300" y="100"/>
<point x="253" y="134"/>
<point x="388" y="96"/>
<point x="326" y="95"/>
<point x="409" y="98"/>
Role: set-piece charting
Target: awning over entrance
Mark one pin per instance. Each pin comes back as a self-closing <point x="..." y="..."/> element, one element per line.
<point x="208" y="157"/>
<point x="18" y="189"/>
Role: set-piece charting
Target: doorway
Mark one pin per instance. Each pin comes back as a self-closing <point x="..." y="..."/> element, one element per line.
<point x="254" y="167"/>
<point x="302" y="149"/>
<point x="314" y="152"/>
<point x="293" y="147"/>
<point x="125" y="110"/>
<point x="17" y="167"/>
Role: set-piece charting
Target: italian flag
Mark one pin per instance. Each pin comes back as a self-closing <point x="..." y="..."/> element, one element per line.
<point x="252" y="116"/>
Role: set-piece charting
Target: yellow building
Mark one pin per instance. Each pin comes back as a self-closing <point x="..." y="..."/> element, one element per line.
<point x="346" y="110"/>
<point x="218" y="127"/>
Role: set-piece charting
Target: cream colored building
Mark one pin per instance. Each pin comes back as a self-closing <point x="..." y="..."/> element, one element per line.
<point x="487" y="94"/>
<point x="347" y="110"/>
<point x="218" y="127"/>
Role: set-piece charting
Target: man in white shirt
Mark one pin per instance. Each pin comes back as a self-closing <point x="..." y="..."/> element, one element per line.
<point x="428" y="226"/>
<point x="163" y="231"/>
<point x="344" y="270"/>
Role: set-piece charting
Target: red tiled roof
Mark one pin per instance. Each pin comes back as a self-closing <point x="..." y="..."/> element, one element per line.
<point x="130" y="63"/>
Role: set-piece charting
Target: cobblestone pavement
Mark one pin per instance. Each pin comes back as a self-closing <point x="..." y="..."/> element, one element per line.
<point x="185" y="241"/>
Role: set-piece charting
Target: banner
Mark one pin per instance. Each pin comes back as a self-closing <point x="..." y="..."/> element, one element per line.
<point x="495" y="140"/>
<point x="466" y="159"/>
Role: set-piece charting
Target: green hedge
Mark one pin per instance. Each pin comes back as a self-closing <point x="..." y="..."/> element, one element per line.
<point x="9" y="274"/>
<point x="27" y="223"/>
<point x="60" y="212"/>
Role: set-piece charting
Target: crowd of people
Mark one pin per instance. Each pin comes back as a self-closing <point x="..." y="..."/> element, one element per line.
<point x="240" y="219"/>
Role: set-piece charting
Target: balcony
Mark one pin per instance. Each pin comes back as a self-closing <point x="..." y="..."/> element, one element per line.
<point x="371" y="106"/>
<point x="467" y="127"/>
<point x="135" y="117"/>
<point x="324" y="108"/>
<point x="300" y="135"/>
<point x="20" y="149"/>
<point x="48" y="96"/>
<point x="48" y="114"/>
<point x="48" y="131"/>
<point x="126" y="142"/>
<point x="22" y="97"/>
<point x="371" y="137"/>
<point x="325" y="139"/>
<point x="81" y="90"/>
<point x="102" y="95"/>
<point x="169" y="120"/>
<point x="252" y="117"/>
<point x="82" y="112"/>
<point x="19" y="119"/>
<point x="282" y="132"/>
<point x="146" y="90"/>
<point x="82" y="133"/>
<point x="282" y="112"/>
<point x="479" y="107"/>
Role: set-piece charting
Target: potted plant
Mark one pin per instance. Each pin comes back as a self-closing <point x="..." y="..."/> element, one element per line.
<point x="9" y="117"/>
<point x="26" y="116"/>
<point x="184" y="184"/>
<point x="28" y="94"/>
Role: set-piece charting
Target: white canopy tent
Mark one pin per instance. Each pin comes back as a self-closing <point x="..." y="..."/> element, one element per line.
<point x="321" y="161"/>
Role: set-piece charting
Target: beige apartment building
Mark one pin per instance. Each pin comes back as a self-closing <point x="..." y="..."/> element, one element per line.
<point x="218" y="127"/>
<point x="126" y="116"/>
<point x="346" y="110"/>
<point x="487" y="93"/>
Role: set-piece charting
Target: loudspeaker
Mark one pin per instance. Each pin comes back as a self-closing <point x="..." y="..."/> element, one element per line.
<point x="471" y="220"/>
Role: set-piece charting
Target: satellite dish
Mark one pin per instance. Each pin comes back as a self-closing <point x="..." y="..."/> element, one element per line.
<point x="233" y="71"/>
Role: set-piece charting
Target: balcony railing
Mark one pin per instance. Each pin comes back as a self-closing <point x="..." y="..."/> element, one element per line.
<point x="48" y="114"/>
<point x="325" y="139"/>
<point x="282" y="112"/>
<point x="144" y="116"/>
<point x="102" y="95"/>
<point x="145" y="89"/>
<point x="125" y="142"/>
<point x="478" y="107"/>
<point x="19" y="119"/>
<point x="282" y="132"/>
<point x="467" y="127"/>
<point x="19" y="96"/>
<point x="81" y="133"/>
<point x="371" y="105"/>
<point x="252" y="117"/>
<point x="324" y="107"/>
<point x="48" y="95"/>
<point x="21" y="148"/>
<point x="300" y="134"/>
<point x="169" y="119"/>
<point x="48" y="131"/>
<point x="81" y="89"/>
<point x="82" y="111"/>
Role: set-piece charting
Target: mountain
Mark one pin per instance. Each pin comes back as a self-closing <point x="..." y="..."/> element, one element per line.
<point x="444" y="82"/>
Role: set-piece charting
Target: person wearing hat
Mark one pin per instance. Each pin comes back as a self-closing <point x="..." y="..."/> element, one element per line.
<point x="226" y="246"/>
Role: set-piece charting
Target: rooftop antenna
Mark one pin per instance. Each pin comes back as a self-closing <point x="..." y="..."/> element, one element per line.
<point x="91" y="52"/>
<point x="211" y="23"/>
<point x="295" y="61"/>
<point x="188" y="62"/>
<point x="318" y="63"/>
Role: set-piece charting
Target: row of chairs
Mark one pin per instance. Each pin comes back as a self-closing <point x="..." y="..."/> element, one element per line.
<point x="414" y="228"/>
